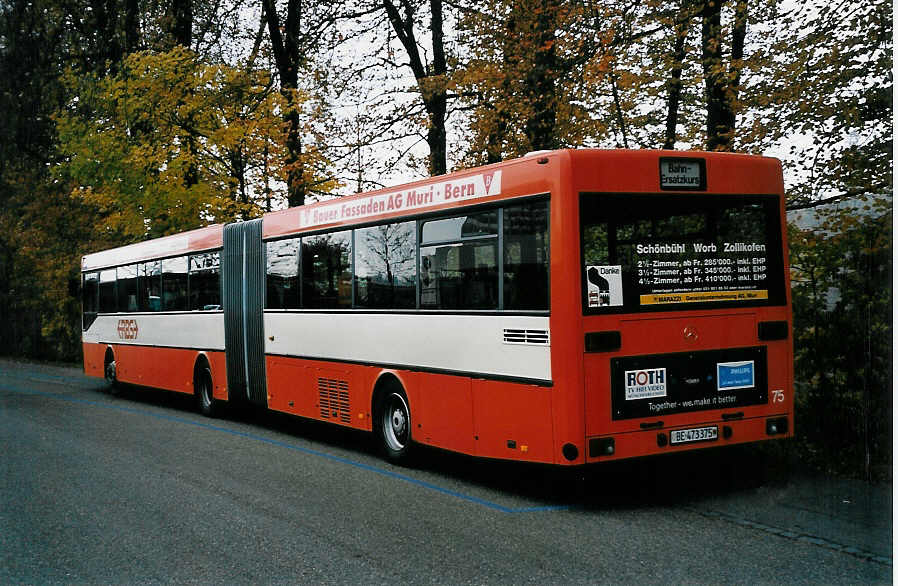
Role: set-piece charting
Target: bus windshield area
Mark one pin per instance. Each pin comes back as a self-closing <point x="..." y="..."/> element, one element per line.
<point x="673" y="252"/>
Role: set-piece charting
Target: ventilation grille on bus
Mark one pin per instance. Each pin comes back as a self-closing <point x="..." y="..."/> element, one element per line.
<point x="538" y="337"/>
<point x="333" y="399"/>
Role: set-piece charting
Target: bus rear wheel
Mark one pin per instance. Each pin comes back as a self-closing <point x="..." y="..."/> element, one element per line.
<point x="206" y="403"/>
<point x="393" y="426"/>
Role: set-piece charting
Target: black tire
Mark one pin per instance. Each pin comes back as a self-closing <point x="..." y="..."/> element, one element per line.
<point x="113" y="386"/>
<point x="206" y="403"/>
<point x="393" y="425"/>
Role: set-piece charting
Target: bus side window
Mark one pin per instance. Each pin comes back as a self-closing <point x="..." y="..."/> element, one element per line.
<point x="150" y="286"/>
<point x="385" y="266"/>
<point x="525" y="230"/>
<point x="127" y="287"/>
<point x="459" y="264"/>
<point x="107" y="291"/>
<point x="282" y="274"/>
<point x="90" y="290"/>
<point x="327" y="270"/>
<point x="174" y="284"/>
<point x="205" y="281"/>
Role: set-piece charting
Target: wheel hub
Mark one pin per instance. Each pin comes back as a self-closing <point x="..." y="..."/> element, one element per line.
<point x="399" y="422"/>
<point x="395" y="423"/>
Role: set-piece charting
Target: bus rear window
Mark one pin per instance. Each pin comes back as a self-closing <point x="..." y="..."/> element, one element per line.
<point x="664" y="252"/>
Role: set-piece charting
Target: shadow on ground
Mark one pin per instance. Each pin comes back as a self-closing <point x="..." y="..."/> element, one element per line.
<point x="664" y="480"/>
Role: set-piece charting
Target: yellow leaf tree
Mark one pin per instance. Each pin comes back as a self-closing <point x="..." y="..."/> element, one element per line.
<point x="171" y="143"/>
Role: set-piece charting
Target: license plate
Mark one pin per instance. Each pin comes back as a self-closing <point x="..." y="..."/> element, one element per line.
<point x="696" y="434"/>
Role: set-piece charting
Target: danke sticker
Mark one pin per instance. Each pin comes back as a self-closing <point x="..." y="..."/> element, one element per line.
<point x="604" y="286"/>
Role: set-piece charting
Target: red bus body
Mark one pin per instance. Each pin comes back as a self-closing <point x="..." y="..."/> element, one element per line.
<point x="469" y="390"/>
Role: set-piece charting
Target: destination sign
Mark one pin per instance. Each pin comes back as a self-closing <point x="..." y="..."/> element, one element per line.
<point x="683" y="174"/>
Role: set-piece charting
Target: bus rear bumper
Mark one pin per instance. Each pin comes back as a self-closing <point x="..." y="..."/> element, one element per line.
<point x="688" y="437"/>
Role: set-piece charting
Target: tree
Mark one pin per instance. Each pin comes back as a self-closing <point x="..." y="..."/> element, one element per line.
<point x="674" y="84"/>
<point x="842" y="302"/>
<point x="525" y="86"/>
<point x="33" y="42"/>
<point x="722" y="80"/>
<point x="824" y="96"/>
<point x="171" y="143"/>
<point x="295" y="40"/>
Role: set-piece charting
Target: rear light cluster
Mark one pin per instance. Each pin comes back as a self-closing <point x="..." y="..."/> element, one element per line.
<point x="601" y="446"/>
<point x="773" y="330"/>
<point x="778" y="426"/>
<point x="609" y="341"/>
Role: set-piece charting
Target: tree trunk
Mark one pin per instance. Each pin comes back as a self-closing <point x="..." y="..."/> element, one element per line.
<point x="8" y="342"/>
<point x="675" y="83"/>
<point x="111" y="40"/>
<point x="618" y="113"/>
<point x="286" y="56"/>
<point x="436" y="134"/>
<point x="720" y="117"/>
<point x="539" y="84"/>
<point x="181" y="14"/>
<point x="132" y="26"/>
<point x="431" y="80"/>
<point x="499" y="128"/>
<point x="740" y="28"/>
<point x="107" y="48"/>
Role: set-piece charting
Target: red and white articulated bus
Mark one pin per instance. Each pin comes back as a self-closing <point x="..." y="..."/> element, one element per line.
<point x="568" y="307"/>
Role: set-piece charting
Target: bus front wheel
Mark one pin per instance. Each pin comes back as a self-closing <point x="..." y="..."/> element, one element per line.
<point x="393" y="426"/>
<point x="113" y="386"/>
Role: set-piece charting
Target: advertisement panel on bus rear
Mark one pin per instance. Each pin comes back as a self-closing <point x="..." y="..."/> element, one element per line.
<point x="649" y="253"/>
<point x="662" y="384"/>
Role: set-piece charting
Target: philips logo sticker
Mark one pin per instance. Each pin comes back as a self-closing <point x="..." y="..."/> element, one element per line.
<point x="645" y="384"/>
<point x="735" y="375"/>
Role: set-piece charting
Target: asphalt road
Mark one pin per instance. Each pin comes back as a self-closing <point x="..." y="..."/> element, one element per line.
<point x="141" y="489"/>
